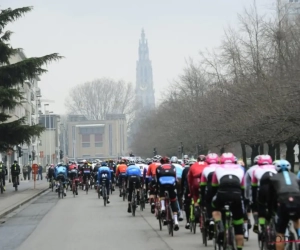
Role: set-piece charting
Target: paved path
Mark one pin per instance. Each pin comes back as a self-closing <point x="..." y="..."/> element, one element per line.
<point x="84" y="223"/>
<point x="11" y="199"/>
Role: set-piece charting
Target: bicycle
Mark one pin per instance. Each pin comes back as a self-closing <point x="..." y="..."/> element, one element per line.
<point x="267" y="236"/>
<point x="1" y="185"/>
<point x="193" y="222"/>
<point x="203" y="226"/>
<point x="104" y="192"/>
<point x="158" y="212"/>
<point x="142" y="199"/>
<point x="123" y="189"/>
<point x="228" y="239"/>
<point x="293" y="239"/>
<point x="169" y="214"/>
<point x="133" y="200"/>
<point x="74" y="187"/>
<point x="60" y="189"/>
<point x="87" y="184"/>
<point x="15" y="182"/>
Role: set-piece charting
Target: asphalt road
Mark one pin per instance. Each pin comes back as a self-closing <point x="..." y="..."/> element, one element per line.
<point x="84" y="223"/>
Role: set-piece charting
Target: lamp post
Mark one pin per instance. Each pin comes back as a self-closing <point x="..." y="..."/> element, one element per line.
<point x="45" y="142"/>
<point x="50" y="132"/>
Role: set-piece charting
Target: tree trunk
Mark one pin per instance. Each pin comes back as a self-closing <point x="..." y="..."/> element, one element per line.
<point x="290" y="156"/>
<point x="261" y="149"/>
<point x="254" y="152"/>
<point x="222" y="150"/>
<point x="271" y="150"/>
<point x="244" y="154"/>
<point x="277" y="146"/>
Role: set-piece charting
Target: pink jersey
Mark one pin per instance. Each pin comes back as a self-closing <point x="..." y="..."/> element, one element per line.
<point x="260" y="171"/>
<point x="228" y="169"/>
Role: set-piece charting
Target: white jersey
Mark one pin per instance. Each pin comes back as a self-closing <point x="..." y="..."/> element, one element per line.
<point x="228" y="169"/>
<point x="209" y="169"/>
<point x="260" y="171"/>
<point x="142" y="167"/>
<point x="248" y="177"/>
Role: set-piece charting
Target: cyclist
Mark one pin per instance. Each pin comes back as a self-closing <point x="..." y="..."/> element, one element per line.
<point x="152" y="173"/>
<point x="86" y="171"/>
<point x="61" y="174"/>
<point x="73" y="175"/>
<point x="15" y="172"/>
<point x="3" y="172"/>
<point x="186" y="192"/>
<point x="179" y="170"/>
<point x="194" y="178"/>
<point x="284" y="199"/>
<point x="212" y="160"/>
<point x="104" y="174"/>
<point x="260" y="187"/>
<point x="95" y="173"/>
<point x="250" y="206"/>
<point x="121" y="174"/>
<point x="185" y="160"/>
<point x="112" y="167"/>
<point x="227" y="186"/>
<point x="143" y="168"/>
<point x="166" y="178"/>
<point x="133" y="174"/>
<point x="147" y="179"/>
<point x="50" y="174"/>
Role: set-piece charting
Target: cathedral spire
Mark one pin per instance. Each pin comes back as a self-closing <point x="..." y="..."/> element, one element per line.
<point x="144" y="79"/>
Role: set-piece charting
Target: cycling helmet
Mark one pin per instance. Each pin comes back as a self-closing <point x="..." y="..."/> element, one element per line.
<point x="131" y="162"/>
<point x="255" y="160"/>
<point x="212" y="158"/>
<point x="164" y="160"/>
<point x="185" y="157"/>
<point x="264" y="160"/>
<point x="282" y="165"/>
<point x="103" y="164"/>
<point x="201" y="158"/>
<point x="174" y="159"/>
<point x="192" y="161"/>
<point x="227" y="158"/>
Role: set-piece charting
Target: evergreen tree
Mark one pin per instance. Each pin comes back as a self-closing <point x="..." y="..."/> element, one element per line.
<point x="12" y="78"/>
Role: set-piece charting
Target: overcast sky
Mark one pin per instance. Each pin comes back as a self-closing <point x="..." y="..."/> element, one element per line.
<point x="99" y="38"/>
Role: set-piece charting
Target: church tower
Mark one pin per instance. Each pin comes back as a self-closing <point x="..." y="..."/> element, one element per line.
<point x="144" y="79"/>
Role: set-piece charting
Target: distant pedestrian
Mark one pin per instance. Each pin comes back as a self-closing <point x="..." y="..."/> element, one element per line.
<point x="29" y="171"/>
<point x="25" y="172"/>
<point x="40" y="172"/>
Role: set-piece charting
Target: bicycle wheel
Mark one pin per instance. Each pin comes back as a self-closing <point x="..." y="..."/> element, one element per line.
<point x="170" y="221"/>
<point x="159" y="220"/>
<point x="86" y="186"/>
<point x="203" y="229"/>
<point x="62" y="191"/>
<point x="74" y="190"/>
<point x="98" y="190"/>
<point x="133" y="203"/>
<point x="2" y="189"/>
<point x="16" y="184"/>
<point x="52" y="184"/>
<point x="142" y="201"/>
<point x="104" y="195"/>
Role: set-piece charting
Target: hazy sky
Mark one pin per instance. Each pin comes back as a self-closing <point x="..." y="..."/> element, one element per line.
<point x="99" y="38"/>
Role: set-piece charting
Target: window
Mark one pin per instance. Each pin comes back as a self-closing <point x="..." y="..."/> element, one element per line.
<point x="85" y="141"/>
<point x="98" y="140"/>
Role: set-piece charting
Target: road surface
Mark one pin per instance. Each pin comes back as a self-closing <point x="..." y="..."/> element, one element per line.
<point x="84" y="223"/>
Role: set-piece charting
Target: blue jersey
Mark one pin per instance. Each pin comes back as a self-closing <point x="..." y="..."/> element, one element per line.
<point x="133" y="170"/>
<point x="104" y="172"/>
<point x="179" y="170"/>
<point x="60" y="170"/>
<point x="298" y="175"/>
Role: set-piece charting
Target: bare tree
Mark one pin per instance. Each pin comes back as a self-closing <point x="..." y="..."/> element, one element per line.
<point x="100" y="97"/>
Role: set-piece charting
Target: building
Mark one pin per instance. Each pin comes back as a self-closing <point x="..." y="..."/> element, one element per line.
<point x="144" y="77"/>
<point x="29" y="109"/>
<point x="49" y="144"/>
<point x="96" y="139"/>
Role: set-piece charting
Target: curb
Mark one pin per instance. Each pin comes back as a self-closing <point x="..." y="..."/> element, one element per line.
<point x="22" y="203"/>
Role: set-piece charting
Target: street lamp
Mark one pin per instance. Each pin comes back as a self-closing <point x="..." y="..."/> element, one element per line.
<point x="45" y="142"/>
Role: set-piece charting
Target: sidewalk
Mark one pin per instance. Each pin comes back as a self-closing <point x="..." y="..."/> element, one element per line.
<point x="11" y="199"/>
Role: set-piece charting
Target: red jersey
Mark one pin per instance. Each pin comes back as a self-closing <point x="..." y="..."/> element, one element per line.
<point x="72" y="167"/>
<point x="152" y="169"/>
<point x="195" y="172"/>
